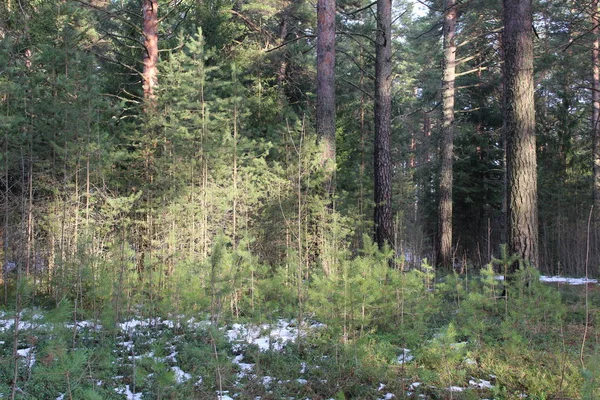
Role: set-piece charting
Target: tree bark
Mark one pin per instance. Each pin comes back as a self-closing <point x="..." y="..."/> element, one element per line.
<point x="596" y="109"/>
<point x="448" y="90"/>
<point x="383" y="130"/>
<point x="150" y="72"/>
<point x="326" y="88"/>
<point x="519" y="120"/>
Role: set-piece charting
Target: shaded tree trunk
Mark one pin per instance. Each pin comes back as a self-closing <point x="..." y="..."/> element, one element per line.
<point x="445" y="205"/>
<point x="596" y="108"/>
<point x="150" y="72"/>
<point x="383" y="130"/>
<point x="519" y="125"/>
<point x="326" y="87"/>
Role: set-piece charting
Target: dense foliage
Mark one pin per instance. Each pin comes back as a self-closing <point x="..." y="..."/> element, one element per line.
<point x="209" y="201"/>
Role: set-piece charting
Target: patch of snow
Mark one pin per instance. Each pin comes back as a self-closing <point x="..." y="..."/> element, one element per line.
<point x="61" y="396"/>
<point x="266" y="336"/>
<point x="266" y="381"/>
<point x="456" y="389"/>
<point x="180" y="376"/>
<point x="405" y="357"/>
<point x="568" y="281"/>
<point x="381" y="387"/>
<point x="480" y="383"/>
<point x="558" y="279"/>
<point x="223" y="395"/>
<point x="414" y="385"/>
<point x="128" y="393"/>
<point x="302" y="381"/>
<point x="28" y="354"/>
<point x="245" y="368"/>
<point x="387" y="396"/>
<point x="303" y="367"/>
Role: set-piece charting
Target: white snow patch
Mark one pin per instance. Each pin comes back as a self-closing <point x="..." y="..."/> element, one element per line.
<point x="381" y="387"/>
<point x="456" y="389"/>
<point x="302" y="381"/>
<point x="128" y="393"/>
<point x="414" y="385"/>
<point x="61" y="396"/>
<point x="266" y="381"/>
<point x="568" y="281"/>
<point x="405" y="356"/>
<point x="28" y="354"/>
<point x="559" y="279"/>
<point x="481" y="383"/>
<point x="265" y="336"/>
<point x="180" y="376"/>
<point x="387" y="396"/>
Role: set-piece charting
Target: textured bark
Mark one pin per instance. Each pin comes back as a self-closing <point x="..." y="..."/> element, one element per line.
<point x="326" y="87"/>
<point x="150" y="72"/>
<point x="283" y="32"/>
<point x="519" y="124"/>
<point x="596" y="108"/>
<point x="383" y="129"/>
<point x="449" y="74"/>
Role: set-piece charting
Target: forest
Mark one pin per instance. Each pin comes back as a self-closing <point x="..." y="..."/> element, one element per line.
<point x="299" y="199"/>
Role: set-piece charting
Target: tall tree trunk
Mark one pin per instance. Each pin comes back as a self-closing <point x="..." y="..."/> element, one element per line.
<point x="383" y="129"/>
<point x="150" y="72"/>
<point x="326" y="87"/>
<point x="283" y="32"/>
<point x="519" y="120"/>
<point x="445" y="206"/>
<point x="596" y="108"/>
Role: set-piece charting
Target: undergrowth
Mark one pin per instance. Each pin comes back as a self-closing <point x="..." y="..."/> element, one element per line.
<point x="382" y="332"/>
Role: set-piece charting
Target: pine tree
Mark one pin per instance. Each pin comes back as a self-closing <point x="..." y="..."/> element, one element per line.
<point x="519" y="118"/>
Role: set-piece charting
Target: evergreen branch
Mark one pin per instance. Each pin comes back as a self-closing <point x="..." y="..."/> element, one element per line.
<point x="111" y="60"/>
<point x="130" y="24"/>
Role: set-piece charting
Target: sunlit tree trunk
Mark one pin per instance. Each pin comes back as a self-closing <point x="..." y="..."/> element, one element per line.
<point x="150" y="72"/>
<point x="519" y="120"/>
<point x="383" y="111"/>
<point x="445" y="205"/>
<point x="326" y="87"/>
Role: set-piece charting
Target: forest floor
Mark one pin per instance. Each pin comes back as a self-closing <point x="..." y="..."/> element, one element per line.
<point x="185" y="357"/>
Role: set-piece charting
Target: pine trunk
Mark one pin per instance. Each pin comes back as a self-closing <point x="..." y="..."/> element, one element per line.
<point x="445" y="205"/>
<point x="150" y="72"/>
<point x="519" y="124"/>
<point x="326" y="87"/>
<point x="596" y="108"/>
<point x="383" y="111"/>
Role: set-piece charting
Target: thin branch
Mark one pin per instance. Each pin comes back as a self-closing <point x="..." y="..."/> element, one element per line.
<point x="369" y="95"/>
<point x="289" y="41"/>
<point x="478" y="69"/>
<point x="131" y="25"/>
<point x="352" y="34"/>
<point x="252" y="25"/>
<point x="581" y="36"/>
<point x="359" y="10"/>
<point x="360" y="67"/>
